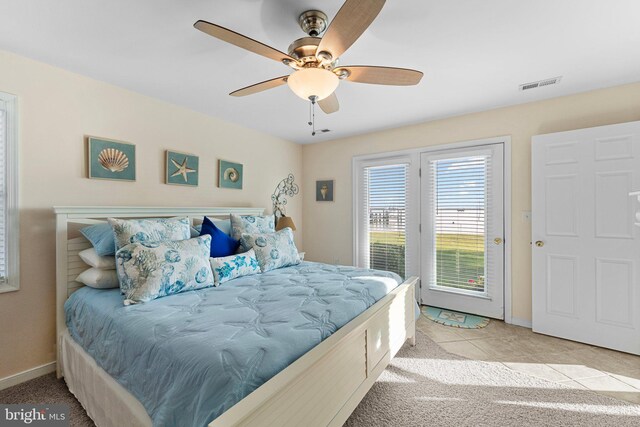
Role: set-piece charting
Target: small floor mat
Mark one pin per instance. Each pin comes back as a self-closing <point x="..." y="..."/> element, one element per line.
<point x="454" y="318"/>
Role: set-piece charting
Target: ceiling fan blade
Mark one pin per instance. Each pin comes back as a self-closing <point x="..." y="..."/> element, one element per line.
<point x="381" y="75"/>
<point x="244" y="42"/>
<point x="330" y="104"/>
<point x="353" y="18"/>
<point x="259" y="87"/>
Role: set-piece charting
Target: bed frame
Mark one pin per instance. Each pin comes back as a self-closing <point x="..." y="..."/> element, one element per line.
<point x="321" y="388"/>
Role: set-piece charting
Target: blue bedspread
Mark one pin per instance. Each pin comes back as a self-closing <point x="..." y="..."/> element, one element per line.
<point x="189" y="357"/>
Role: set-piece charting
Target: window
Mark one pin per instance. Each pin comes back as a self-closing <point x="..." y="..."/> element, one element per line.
<point x="463" y="229"/>
<point x="9" y="237"/>
<point x="382" y="213"/>
<point x="459" y="197"/>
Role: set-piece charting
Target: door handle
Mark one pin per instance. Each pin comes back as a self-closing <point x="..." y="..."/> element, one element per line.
<point x="497" y="240"/>
<point x="539" y="243"/>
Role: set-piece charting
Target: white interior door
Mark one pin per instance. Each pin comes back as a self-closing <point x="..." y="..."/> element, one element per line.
<point x="462" y="194"/>
<point x="586" y="249"/>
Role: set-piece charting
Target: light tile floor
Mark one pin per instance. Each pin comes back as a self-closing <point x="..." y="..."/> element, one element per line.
<point x="578" y="365"/>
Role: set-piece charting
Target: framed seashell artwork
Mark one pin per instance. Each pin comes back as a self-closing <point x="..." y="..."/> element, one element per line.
<point x="181" y="168"/>
<point x="110" y="159"/>
<point x="324" y="190"/>
<point x="229" y="175"/>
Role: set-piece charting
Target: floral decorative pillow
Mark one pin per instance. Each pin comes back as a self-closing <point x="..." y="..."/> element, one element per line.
<point x="149" y="230"/>
<point x="250" y="224"/>
<point x="230" y="267"/>
<point x="149" y="270"/>
<point x="273" y="250"/>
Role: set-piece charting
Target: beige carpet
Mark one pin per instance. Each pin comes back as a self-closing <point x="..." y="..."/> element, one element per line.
<point x="426" y="386"/>
<point x="46" y="390"/>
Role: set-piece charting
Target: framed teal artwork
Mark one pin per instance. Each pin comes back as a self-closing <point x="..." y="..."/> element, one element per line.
<point x="181" y="168"/>
<point x="229" y="175"/>
<point x="324" y="191"/>
<point x="110" y="159"/>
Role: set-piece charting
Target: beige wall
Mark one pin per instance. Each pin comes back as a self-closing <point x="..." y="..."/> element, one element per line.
<point x="57" y="108"/>
<point x="329" y="231"/>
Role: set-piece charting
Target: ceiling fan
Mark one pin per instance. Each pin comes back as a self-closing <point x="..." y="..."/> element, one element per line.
<point x="314" y="59"/>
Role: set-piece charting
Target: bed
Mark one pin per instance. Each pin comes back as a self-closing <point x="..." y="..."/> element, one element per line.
<point x="298" y="345"/>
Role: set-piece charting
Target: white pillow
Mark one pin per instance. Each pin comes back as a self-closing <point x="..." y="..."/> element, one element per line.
<point x="91" y="257"/>
<point x="98" y="278"/>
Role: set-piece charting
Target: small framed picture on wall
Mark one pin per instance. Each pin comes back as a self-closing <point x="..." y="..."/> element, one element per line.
<point x="324" y="191"/>
<point x="230" y="175"/>
<point x="181" y="168"/>
<point x="111" y="159"/>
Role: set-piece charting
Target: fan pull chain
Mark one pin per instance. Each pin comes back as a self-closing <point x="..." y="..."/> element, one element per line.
<point x="312" y="114"/>
<point x="313" y="127"/>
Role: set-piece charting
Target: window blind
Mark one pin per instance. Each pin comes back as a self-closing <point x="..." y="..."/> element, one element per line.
<point x="383" y="222"/>
<point x="3" y="192"/>
<point x="460" y="196"/>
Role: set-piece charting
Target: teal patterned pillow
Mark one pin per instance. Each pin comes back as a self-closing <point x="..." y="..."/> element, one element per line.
<point x="273" y="250"/>
<point x="250" y="224"/>
<point x="149" y="270"/>
<point x="149" y="230"/>
<point x="230" y="267"/>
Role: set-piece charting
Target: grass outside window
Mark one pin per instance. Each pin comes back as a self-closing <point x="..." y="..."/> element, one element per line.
<point x="460" y="258"/>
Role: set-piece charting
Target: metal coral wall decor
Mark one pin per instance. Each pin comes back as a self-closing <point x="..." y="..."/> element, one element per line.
<point x="285" y="188"/>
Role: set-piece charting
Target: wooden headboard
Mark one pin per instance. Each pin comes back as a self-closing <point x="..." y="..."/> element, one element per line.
<point x="69" y="240"/>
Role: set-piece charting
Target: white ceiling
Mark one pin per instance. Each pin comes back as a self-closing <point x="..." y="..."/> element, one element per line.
<point x="474" y="54"/>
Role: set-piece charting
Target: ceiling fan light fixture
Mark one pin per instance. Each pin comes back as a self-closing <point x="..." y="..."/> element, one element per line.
<point x="310" y="82"/>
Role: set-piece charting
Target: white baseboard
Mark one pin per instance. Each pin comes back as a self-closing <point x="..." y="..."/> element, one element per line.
<point x="27" y="375"/>
<point x="521" y="322"/>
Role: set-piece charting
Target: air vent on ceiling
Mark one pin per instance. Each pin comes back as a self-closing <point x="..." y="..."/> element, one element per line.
<point x="540" y="83"/>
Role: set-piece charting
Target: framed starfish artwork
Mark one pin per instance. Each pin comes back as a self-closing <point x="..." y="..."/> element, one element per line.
<point x="181" y="169"/>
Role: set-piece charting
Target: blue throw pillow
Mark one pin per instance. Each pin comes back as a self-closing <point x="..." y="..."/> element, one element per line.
<point x="222" y="224"/>
<point x="221" y="244"/>
<point x="101" y="237"/>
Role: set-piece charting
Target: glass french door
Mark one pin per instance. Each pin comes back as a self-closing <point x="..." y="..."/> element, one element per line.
<point x="386" y="214"/>
<point x="462" y="239"/>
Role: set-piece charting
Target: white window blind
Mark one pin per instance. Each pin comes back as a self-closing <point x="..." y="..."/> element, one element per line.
<point x="3" y="192"/>
<point x="9" y="225"/>
<point x="383" y="217"/>
<point x="460" y="196"/>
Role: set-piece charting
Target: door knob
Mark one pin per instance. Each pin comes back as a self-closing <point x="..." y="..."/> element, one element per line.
<point x="539" y="243"/>
<point x="497" y="240"/>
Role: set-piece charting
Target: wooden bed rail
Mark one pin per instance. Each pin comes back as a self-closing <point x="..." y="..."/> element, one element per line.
<point x="323" y="387"/>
